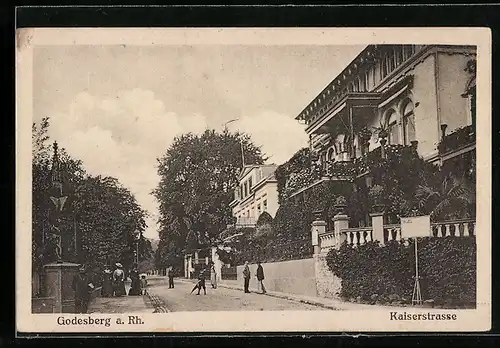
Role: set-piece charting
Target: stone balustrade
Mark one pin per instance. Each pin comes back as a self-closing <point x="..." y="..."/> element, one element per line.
<point x="353" y="236"/>
<point x="457" y="228"/>
<point x="356" y="236"/>
<point x="392" y="232"/>
<point x="327" y="240"/>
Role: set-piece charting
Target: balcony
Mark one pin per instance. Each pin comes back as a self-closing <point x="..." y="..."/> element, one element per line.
<point x="459" y="141"/>
<point x="243" y="222"/>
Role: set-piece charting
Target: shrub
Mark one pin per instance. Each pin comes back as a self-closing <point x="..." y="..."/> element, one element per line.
<point x="264" y="218"/>
<point x="375" y="274"/>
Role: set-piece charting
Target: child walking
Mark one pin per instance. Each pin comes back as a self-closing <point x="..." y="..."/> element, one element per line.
<point x="201" y="283"/>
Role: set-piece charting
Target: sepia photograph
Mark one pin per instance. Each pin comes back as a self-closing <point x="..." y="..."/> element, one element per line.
<point x="253" y="177"/>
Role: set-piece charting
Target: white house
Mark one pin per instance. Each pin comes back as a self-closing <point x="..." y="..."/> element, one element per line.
<point x="257" y="192"/>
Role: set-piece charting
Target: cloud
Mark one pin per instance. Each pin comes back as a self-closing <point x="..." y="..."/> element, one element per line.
<point x="123" y="134"/>
<point x="279" y="135"/>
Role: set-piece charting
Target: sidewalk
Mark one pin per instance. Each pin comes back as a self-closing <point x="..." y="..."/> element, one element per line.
<point x="123" y="304"/>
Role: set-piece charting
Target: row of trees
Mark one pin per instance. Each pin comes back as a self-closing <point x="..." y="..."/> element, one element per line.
<point x="101" y="222"/>
<point x="198" y="174"/>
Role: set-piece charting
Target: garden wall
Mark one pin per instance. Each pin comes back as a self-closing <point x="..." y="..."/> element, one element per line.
<point x="294" y="277"/>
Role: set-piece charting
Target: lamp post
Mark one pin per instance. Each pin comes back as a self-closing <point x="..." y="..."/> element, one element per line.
<point x="59" y="275"/>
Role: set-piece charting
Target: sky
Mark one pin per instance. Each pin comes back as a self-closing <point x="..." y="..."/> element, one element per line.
<point x="119" y="107"/>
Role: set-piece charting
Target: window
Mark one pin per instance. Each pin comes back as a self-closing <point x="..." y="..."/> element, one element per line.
<point x="331" y="154"/>
<point x="399" y="55"/>
<point x="246" y="189"/>
<point x="258" y="209"/>
<point x="357" y="85"/>
<point x="392" y="127"/>
<point x="408" y="51"/>
<point x="250" y="184"/>
<point x="383" y="70"/>
<point x="408" y="122"/>
<point x="391" y="61"/>
<point x="471" y="101"/>
<point x="367" y="80"/>
<point x="265" y="205"/>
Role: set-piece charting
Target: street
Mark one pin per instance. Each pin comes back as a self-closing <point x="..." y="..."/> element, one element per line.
<point x="163" y="299"/>
<point x="220" y="299"/>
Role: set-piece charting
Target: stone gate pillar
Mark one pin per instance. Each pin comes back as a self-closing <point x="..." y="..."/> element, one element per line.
<point x="327" y="285"/>
<point x="340" y="222"/>
<point x="378" y="227"/>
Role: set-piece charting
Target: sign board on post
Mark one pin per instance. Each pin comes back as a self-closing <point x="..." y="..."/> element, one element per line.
<point x="416" y="226"/>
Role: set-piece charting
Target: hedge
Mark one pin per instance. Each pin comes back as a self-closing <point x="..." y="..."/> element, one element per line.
<point x="385" y="274"/>
<point x="273" y="250"/>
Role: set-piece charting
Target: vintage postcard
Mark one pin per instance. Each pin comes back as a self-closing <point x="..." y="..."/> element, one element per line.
<point x="253" y="180"/>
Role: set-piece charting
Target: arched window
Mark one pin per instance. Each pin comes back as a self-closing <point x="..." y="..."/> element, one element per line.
<point x="331" y="154"/>
<point x="408" y="122"/>
<point x="392" y="127"/>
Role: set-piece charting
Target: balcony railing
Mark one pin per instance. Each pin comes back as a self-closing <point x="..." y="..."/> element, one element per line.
<point x="245" y="222"/>
<point x="458" y="139"/>
<point x="362" y="235"/>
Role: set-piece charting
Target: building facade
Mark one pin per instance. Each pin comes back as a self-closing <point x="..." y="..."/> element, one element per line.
<point x="420" y="95"/>
<point x="256" y="193"/>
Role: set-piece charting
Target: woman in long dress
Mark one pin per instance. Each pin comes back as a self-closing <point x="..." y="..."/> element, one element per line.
<point x="107" y="283"/>
<point x="213" y="277"/>
<point x="119" y="280"/>
<point x="135" y="286"/>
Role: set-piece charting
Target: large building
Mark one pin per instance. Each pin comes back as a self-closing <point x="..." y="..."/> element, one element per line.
<point x="256" y="193"/>
<point x="420" y="94"/>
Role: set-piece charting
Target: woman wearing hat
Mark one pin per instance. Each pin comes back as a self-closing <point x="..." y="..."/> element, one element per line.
<point x="135" y="286"/>
<point x="119" y="280"/>
<point x="107" y="282"/>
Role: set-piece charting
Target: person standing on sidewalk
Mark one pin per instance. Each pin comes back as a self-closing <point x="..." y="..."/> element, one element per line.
<point x="213" y="277"/>
<point x="119" y="280"/>
<point x="170" y="278"/>
<point x="246" y="277"/>
<point x="135" y="285"/>
<point x="260" y="277"/>
<point x="107" y="283"/>
<point x="82" y="286"/>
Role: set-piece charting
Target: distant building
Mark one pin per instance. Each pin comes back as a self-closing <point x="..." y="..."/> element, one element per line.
<point x="257" y="192"/>
<point x="423" y="95"/>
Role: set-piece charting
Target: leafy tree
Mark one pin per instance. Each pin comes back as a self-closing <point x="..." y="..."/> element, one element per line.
<point x="264" y="218"/>
<point x="454" y="198"/>
<point x="197" y="177"/>
<point x="103" y="215"/>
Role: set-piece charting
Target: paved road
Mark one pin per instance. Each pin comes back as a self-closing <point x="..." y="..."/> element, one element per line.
<point x="220" y="299"/>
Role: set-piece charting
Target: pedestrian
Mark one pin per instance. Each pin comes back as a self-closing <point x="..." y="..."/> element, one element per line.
<point x="135" y="285"/>
<point x="107" y="283"/>
<point x="82" y="286"/>
<point x="213" y="277"/>
<point x="144" y="285"/>
<point x="119" y="280"/>
<point x="246" y="277"/>
<point x="171" y="278"/>
<point x="201" y="283"/>
<point x="260" y="277"/>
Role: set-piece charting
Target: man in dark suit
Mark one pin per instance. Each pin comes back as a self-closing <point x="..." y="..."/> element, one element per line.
<point x="83" y="288"/>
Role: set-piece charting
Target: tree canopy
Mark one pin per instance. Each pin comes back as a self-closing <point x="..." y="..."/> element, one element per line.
<point x="197" y="176"/>
<point x="102" y="214"/>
